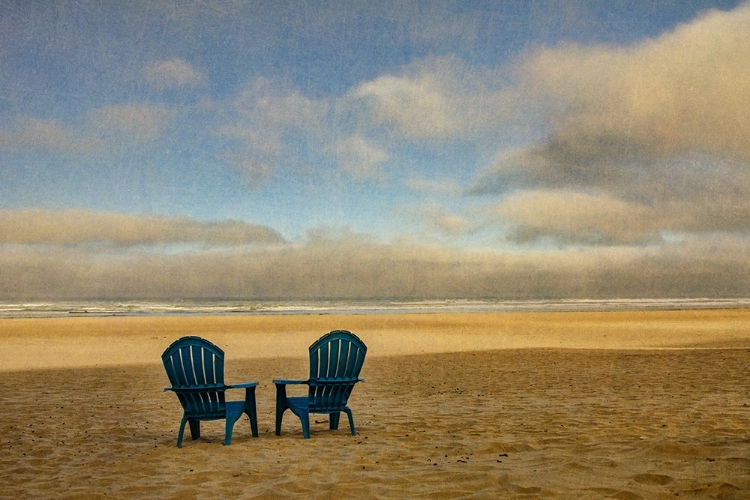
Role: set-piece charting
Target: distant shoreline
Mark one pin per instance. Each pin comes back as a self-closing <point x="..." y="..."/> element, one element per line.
<point x="106" y="308"/>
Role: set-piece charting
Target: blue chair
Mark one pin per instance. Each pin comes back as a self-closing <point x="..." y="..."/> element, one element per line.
<point x="335" y="362"/>
<point x="195" y="368"/>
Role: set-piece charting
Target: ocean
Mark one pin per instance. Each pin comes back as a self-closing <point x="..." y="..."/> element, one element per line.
<point x="50" y="309"/>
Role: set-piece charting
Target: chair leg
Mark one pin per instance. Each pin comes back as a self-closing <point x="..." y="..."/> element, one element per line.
<point x="280" y="406"/>
<point x="334" y="420"/>
<point x="305" y="418"/>
<point x="195" y="428"/>
<point x="253" y="415"/>
<point x="182" y="431"/>
<point x="279" y="417"/>
<point x="229" y="429"/>
<point x="250" y="409"/>
<point x="351" y="420"/>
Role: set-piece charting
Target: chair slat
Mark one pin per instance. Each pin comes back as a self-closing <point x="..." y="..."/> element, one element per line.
<point x="209" y="368"/>
<point x="345" y="363"/>
<point x="199" y="354"/>
<point x="323" y="357"/>
<point x="218" y="367"/>
<point x="334" y="355"/>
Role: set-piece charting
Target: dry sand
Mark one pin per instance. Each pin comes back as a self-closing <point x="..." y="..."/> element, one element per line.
<point x="557" y="405"/>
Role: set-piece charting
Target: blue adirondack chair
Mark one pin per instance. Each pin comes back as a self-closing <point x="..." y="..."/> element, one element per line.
<point x="335" y="362"/>
<point x="195" y="368"/>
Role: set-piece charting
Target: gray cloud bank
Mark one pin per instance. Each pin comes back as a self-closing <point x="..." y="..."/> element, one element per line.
<point x="53" y="267"/>
<point x="80" y="227"/>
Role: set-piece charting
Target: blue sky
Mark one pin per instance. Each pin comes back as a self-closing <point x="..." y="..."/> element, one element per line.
<point x="259" y="150"/>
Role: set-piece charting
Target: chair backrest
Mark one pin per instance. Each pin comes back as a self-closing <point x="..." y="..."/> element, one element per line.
<point x="335" y="362"/>
<point x="195" y="368"/>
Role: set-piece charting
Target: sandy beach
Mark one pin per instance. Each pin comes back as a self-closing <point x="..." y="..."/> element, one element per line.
<point x="625" y="405"/>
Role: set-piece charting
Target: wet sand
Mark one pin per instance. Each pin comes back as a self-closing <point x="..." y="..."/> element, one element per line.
<point x="528" y="405"/>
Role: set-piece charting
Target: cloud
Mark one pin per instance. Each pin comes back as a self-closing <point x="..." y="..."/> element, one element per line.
<point x="76" y="227"/>
<point x="278" y="102"/>
<point x="442" y="187"/>
<point x="573" y="217"/>
<point x="641" y="140"/>
<point x="360" y="158"/>
<point x="269" y="123"/>
<point x="439" y="98"/>
<point x="173" y="74"/>
<point x="444" y="221"/>
<point x="355" y="268"/>
<point x="101" y="129"/>
<point x="256" y="174"/>
<point x="49" y="135"/>
<point x="417" y="106"/>
<point x="631" y="204"/>
<point x="134" y="121"/>
<point x="685" y="91"/>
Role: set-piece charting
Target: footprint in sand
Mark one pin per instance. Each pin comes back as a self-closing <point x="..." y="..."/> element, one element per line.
<point x="659" y="479"/>
<point x="626" y="495"/>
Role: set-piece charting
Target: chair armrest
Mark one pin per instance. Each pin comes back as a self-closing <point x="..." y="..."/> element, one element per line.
<point x="244" y="385"/>
<point x="283" y="381"/>
<point x="208" y="388"/>
<point x="281" y="384"/>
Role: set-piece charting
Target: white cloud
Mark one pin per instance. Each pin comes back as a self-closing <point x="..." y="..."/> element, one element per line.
<point x="641" y="140"/>
<point x="360" y="158"/>
<point x="441" y="98"/>
<point x="27" y="133"/>
<point x="570" y="216"/>
<point x="269" y="101"/>
<point x="416" y="106"/>
<point x="256" y="174"/>
<point x="269" y="123"/>
<point x="687" y="90"/>
<point x="173" y="74"/>
<point x="138" y="122"/>
<point x="99" y="130"/>
<point x="446" y="222"/>
<point x="102" y="130"/>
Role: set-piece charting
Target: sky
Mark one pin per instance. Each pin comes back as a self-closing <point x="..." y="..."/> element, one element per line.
<point x="258" y="150"/>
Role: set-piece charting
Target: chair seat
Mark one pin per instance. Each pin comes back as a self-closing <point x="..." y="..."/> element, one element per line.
<point x="298" y="403"/>
<point x="235" y="409"/>
<point x="302" y="404"/>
